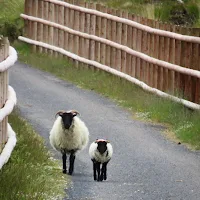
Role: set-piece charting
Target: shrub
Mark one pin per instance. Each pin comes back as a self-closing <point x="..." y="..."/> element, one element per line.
<point x="11" y="30"/>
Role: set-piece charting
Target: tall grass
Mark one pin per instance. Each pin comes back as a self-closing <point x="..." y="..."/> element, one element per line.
<point x="186" y="14"/>
<point x="31" y="173"/>
<point x="10" y="22"/>
<point x="143" y="105"/>
<point x="11" y="10"/>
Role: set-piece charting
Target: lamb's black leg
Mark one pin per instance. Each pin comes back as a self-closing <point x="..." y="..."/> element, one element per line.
<point x="98" y="170"/>
<point x="104" y="167"/>
<point x="102" y="173"/>
<point x="94" y="170"/>
<point x="64" y="157"/>
<point x="71" y="163"/>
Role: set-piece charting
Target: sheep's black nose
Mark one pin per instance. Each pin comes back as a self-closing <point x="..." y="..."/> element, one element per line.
<point x="67" y="126"/>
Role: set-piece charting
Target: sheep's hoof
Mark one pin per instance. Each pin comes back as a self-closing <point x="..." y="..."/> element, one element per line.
<point x="70" y="173"/>
<point x="64" y="171"/>
<point x="99" y="179"/>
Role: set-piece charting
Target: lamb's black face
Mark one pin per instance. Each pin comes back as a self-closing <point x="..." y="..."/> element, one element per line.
<point x="102" y="146"/>
<point x="67" y="119"/>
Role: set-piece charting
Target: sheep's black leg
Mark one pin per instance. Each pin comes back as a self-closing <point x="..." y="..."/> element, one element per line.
<point x="104" y="167"/>
<point x="94" y="170"/>
<point x="71" y="163"/>
<point x="64" y="158"/>
<point x="98" y="170"/>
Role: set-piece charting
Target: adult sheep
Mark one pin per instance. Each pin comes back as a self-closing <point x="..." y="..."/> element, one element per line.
<point x="68" y="135"/>
<point x="100" y="152"/>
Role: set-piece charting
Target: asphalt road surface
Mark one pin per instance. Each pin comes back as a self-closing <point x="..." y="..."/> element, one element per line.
<point x="145" y="165"/>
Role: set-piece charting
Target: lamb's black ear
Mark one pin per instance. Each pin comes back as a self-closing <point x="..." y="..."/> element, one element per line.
<point x="96" y="140"/>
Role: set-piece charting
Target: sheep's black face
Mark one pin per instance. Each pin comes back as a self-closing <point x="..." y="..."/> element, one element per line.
<point x="102" y="146"/>
<point x="67" y="119"/>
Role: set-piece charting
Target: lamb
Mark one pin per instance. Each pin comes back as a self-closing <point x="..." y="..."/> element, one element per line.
<point x="100" y="152"/>
<point x="68" y="135"/>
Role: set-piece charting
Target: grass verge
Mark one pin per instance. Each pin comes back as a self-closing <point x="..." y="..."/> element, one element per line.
<point x="180" y="121"/>
<point x="31" y="173"/>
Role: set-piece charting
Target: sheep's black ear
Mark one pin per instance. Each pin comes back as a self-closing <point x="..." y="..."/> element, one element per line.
<point x="74" y="112"/>
<point x="59" y="113"/>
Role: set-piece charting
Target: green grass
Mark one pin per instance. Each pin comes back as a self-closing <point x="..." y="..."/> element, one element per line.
<point x="163" y="10"/>
<point x="10" y="22"/>
<point x="179" y="120"/>
<point x="30" y="173"/>
<point x="10" y="10"/>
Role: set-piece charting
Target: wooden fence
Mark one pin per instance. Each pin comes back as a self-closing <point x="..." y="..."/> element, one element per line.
<point x="8" y="57"/>
<point x="167" y="61"/>
<point x="4" y="51"/>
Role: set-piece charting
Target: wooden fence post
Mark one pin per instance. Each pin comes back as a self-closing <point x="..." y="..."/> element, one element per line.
<point x="51" y="29"/>
<point x="40" y="25"/>
<point x="97" y="33"/>
<point x="46" y="27"/>
<point x="4" y="46"/>
<point x="113" y="38"/>
<point x="103" y="35"/>
<point x="34" y="24"/>
<point x="119" y="39"/>
<point x="108" y="36"/>
<point x="92" y="32"/>
<point x="124" y="42"/>
<point x="81" y="29"/>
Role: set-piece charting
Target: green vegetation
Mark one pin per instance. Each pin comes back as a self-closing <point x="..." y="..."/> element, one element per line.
<point x="30" y="173"/>
<point x="171" y="11"/>
<point x="10" y="22"/>
<point x="180" y="120"/>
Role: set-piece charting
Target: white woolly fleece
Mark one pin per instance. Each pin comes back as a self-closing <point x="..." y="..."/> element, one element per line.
<point x="102" y="158"/>
<point x="74" y="138"/>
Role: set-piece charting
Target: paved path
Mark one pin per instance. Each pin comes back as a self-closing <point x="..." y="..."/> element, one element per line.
<point x="144" y="166"/>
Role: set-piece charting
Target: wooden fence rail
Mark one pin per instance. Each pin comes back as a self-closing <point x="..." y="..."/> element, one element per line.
<point x="150" y="53"/>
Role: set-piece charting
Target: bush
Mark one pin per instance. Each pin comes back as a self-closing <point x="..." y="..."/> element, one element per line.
<point x="186" y="14"/>
<point x="10" y="22"/>
<point x="11" y="30"/>
<point x="193" y="12"/>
